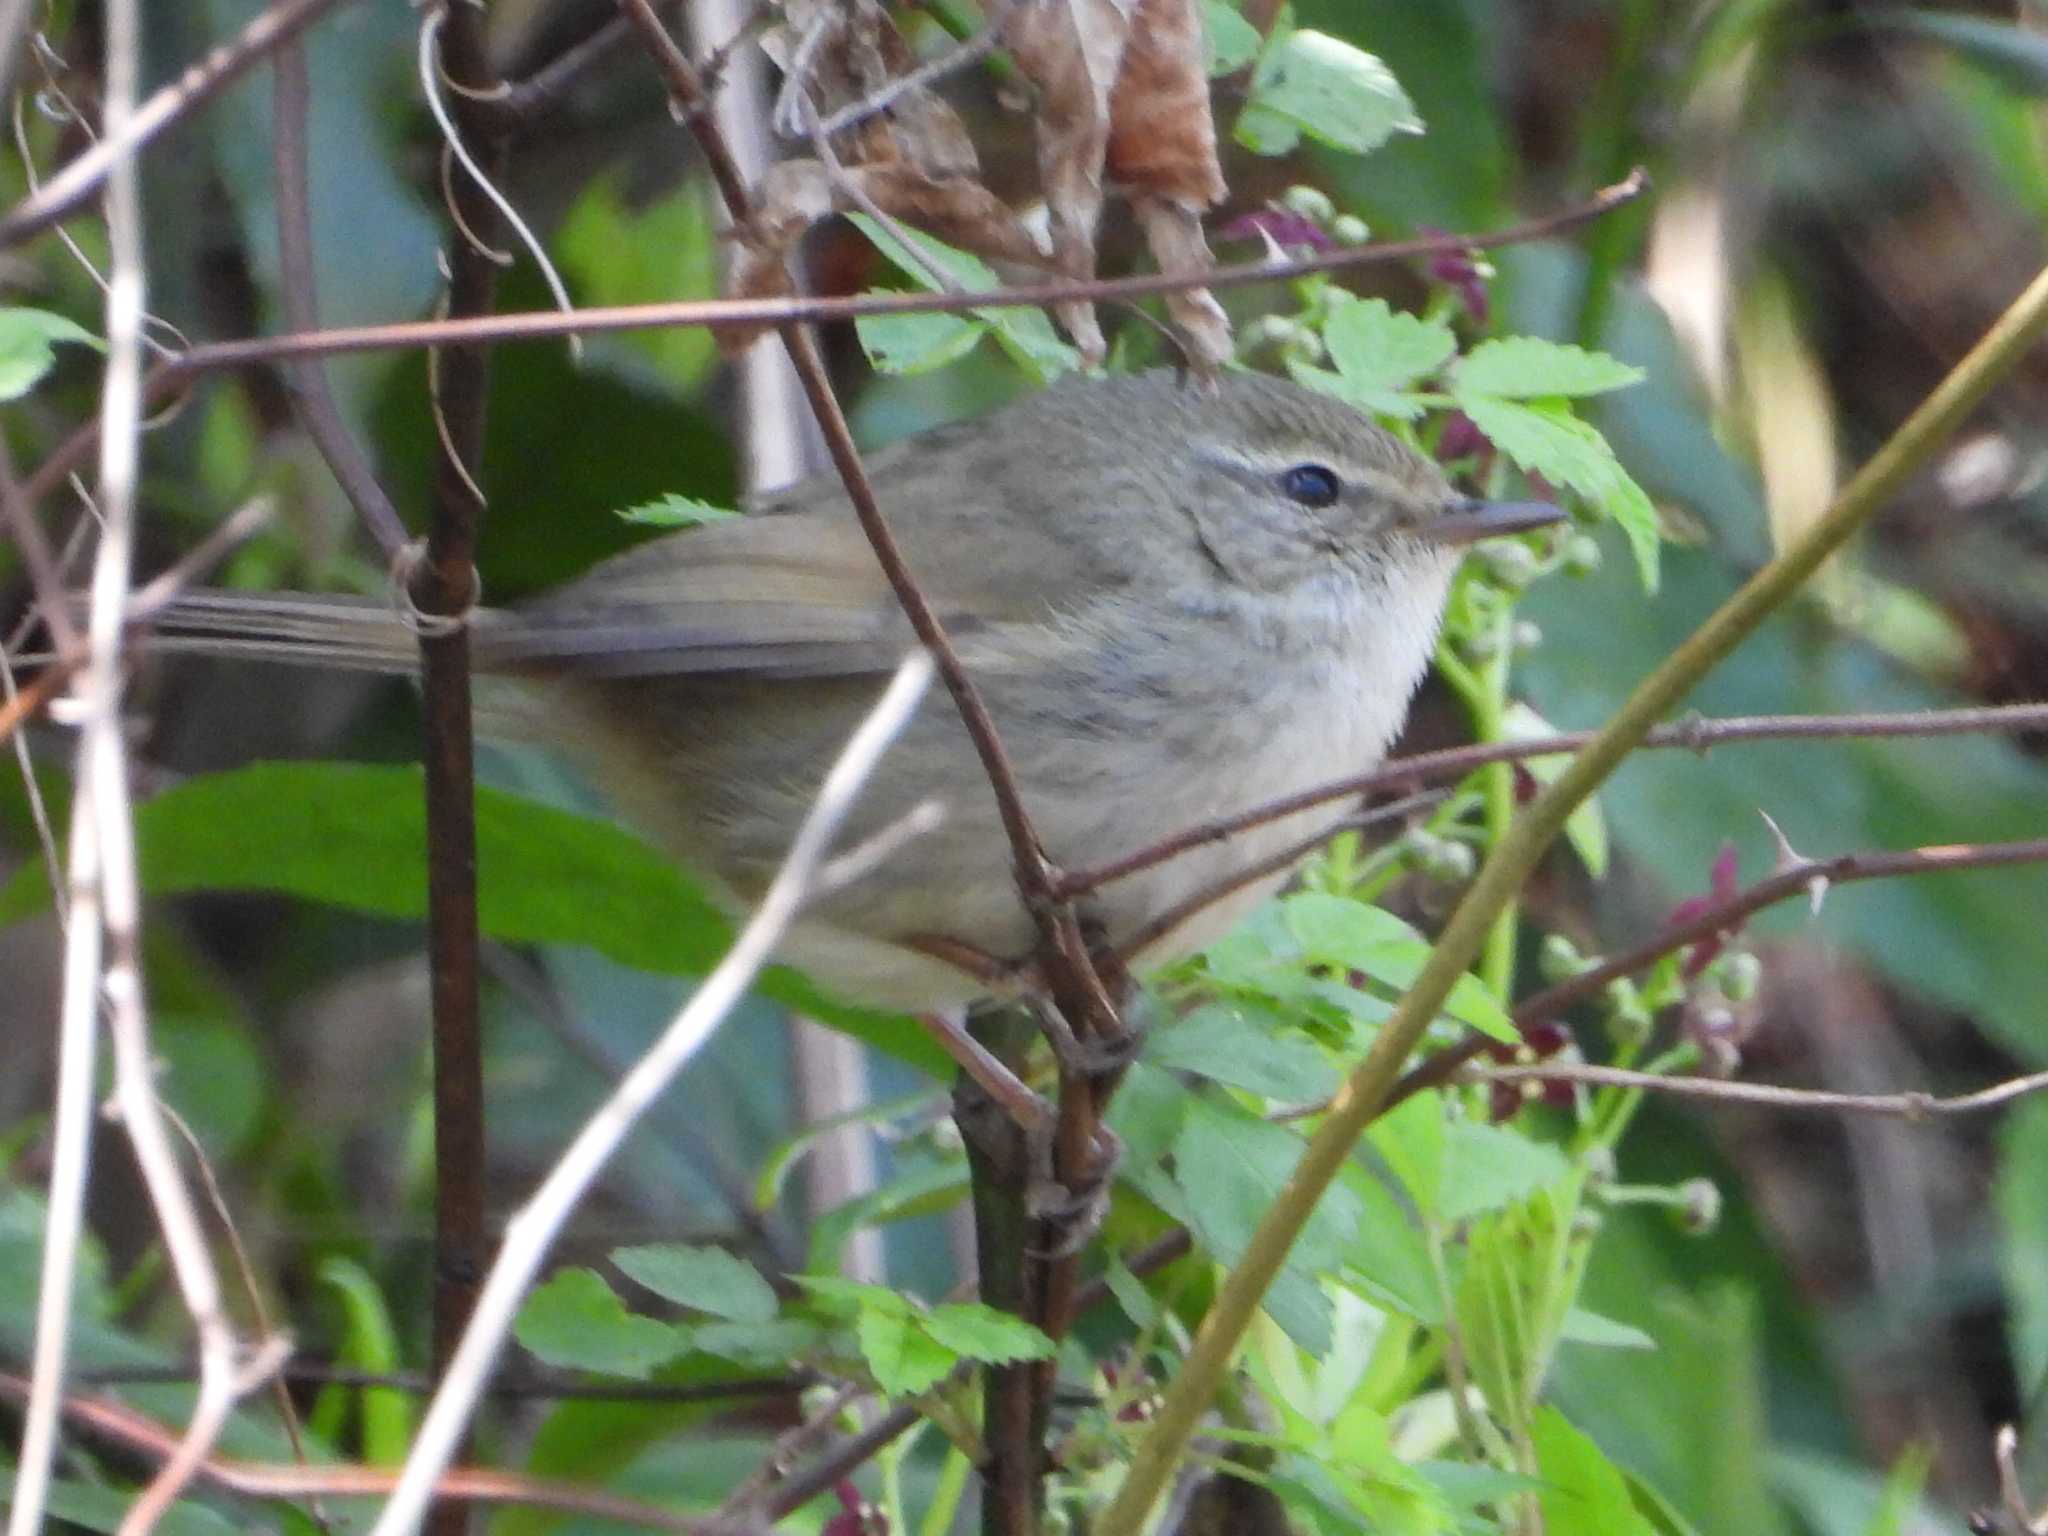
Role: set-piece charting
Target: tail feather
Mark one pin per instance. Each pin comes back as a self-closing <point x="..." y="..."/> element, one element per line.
<point x="355" y="633"/>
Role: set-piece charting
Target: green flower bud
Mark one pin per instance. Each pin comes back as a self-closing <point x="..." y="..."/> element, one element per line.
<point x="1312" y="203"/>
<point x="1581" y="554"/>
<point x="1559" y="959"/>
<point x="1699" y="1209"/>
<point x="1740" y="973"/>
<point x="1509" y="562"/>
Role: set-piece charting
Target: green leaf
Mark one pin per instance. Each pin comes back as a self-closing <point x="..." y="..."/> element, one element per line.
<point x="777" y="1342"/>
<point x="576" y="1321"/>
<point x="918" y="343"/>
<point x="1231" y="41"/>
<point x="1526" y="368"/>
<point x="1130" y="1293"/>
<point x="1230" y="1166"/>
<point x="1378" y="402"/>
<point x="1583" y="1494"/>
<point x="96" y="1507"/>
<point x="703" y="1279"/>
<point x="1380" y="351"/>
<point x="2021" y="1199"/>
<point x="1583" y="1327"/>
<point x="1025" y="334"/>
<point x="1224" y="1043"/>
<point x="370" y="1343"/>
<point x="28" y="339"/>
<point x="615" y="251"/>
<point x="1486" y="1167"/>
<point x="674" y="511"/>
<point x="904" y="1358"/>
<point x="354" y="835"/>
<point x="1315" y="84"/>
<point x="1586" y="827"/>
<point x="845" y="1298"/>
<point x="1544" y="437"/>
<point x="1357" y="936"/>
<point x="979" y="1332"/>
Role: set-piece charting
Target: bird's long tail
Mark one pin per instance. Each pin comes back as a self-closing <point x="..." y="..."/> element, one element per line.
<point x="360" y="634"/>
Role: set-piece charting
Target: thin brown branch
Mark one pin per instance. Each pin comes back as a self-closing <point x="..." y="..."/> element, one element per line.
<point x="1898" y="1106"/>
<point x="123" y="1426"/>
<point x="1275" y="863"/>
<point x="1795" y="878"/>
<point x="522" y="103"/>
<point x="728" y="314"/>
<point x="80" y="181"/>
<point x="298" y="288"/>
<point x="1697" y="734"/>
<point x="540" y="1388"/>
<point x="444" y="587"/>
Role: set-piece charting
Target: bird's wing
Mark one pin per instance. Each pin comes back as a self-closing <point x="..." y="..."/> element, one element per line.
<point x="793" y="590"/>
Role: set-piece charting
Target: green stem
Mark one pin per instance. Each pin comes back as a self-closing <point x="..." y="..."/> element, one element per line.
<point x="1512" y="860"/>
<point x="938" y="1517"/>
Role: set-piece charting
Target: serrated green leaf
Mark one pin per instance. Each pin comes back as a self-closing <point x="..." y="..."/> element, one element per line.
<point x="1489" y="1166"/>
<point x="28" y="347"/>
<point x="1586" y="827"/>
<point x="1544" y="437"/>
<point x="576" y="1321"/>
<point x="1025" y="334"/>
<point x="674" y="511"/>
<point x="844" y="1298"/>
<point x="1230" y="41"/>
<point x="1528" y="368"/>
<point x="615" y="248"/>
<point x="1375" y="402"/>
<point x="776" y="1342"/>
<point x="1335" y="930"/>
<point x="1230" y="1166"/>
<point x="703" y="1279"/>
<point x="1312" y="83"/>
<point x="1377" y="347"/>
<point x="1583" y="1327"/>
<point x="979" y="1332"/>
<point x="1224" y="1043"/>
<point x="354" y="835"/>
<point x="1583" y="1492"/>
<point x="903" y="1358"/>
<point x="917" y="343"/>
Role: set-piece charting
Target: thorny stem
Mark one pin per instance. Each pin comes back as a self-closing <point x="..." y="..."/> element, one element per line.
<point x="1509" y="865"/>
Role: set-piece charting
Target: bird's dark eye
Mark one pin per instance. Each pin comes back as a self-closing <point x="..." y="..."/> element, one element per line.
<point x="1313" y="485"/>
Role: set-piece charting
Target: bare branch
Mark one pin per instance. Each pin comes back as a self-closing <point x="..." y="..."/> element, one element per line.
<point x="1901" y="1106"/>
<point x="1697" y="734"/>
<point x="71" y="188"/>
<point x="261" y="1480"/>
<point x="298" y="290"/>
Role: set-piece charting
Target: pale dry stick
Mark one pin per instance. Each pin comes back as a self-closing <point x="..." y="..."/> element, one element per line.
<point x="266" y="1480"/>
<point x="532" y="1230"/>
<point x="69" y="190"/>
<point x="1912" y="1106"/>
<point x="101" y="909"/>
<point x="1509" y="865"/>
<point x="431" y="80"/>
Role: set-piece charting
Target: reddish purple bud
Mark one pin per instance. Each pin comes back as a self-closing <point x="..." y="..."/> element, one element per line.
<point x="1460" y="439"/>
<point x="856" y="1516"/>
<point x="1724" y="885"/>
<point x="1283" y="227"/>
<point x="1460" y="272"/>
<point x="1546" y="1040"/>
<point x="1526" y="786"/>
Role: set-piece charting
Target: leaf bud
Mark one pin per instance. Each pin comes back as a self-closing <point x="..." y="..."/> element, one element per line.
<point x="1740" y="974"/>
<point x="1311" y="203"/>
<point x="1698" y="1210"/>
<point x="1559" y="959"/>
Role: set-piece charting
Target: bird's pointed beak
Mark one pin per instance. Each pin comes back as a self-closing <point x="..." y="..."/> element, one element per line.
<point x="1467" y="522"/>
